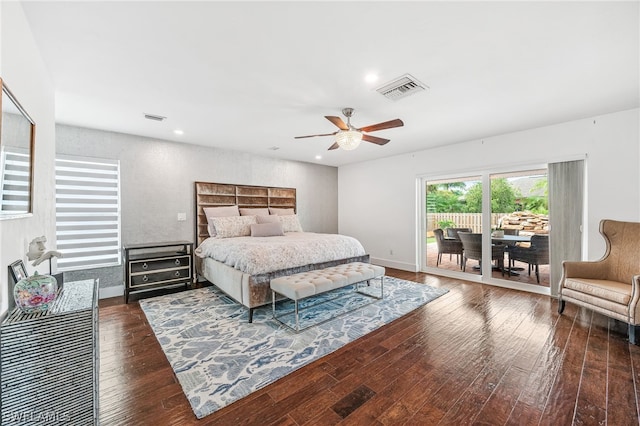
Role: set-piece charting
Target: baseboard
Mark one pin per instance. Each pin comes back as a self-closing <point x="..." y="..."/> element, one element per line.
<point x="475" y="278"/>
<point x="403" y="266"/>
<point x="113" y="291"/>
<point x="513" y="285"/>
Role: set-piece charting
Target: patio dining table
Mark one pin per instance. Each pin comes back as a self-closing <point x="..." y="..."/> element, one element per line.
<point x="511" y="239"/>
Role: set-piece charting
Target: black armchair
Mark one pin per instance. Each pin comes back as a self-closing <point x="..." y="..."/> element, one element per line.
<point x="472" y="245"/>
<point x="453" y="232"/>
<point x="447" y="246"/>
<point x="536" y="254"/>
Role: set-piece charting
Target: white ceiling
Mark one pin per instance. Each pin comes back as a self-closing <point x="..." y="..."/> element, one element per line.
<point x="252" y="75"/>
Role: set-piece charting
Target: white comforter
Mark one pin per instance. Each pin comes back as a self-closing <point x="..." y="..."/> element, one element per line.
<point x="258" y="255"/>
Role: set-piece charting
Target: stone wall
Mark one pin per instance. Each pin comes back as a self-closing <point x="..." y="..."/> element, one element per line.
<point x="526" y="222"/>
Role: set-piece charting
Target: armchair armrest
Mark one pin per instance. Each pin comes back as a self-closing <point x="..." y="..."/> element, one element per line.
<point x="584" y="269"/>
<point x="634" y="306"/>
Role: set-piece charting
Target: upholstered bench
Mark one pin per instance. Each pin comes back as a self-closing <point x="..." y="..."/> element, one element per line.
<point x="305" y="284"/>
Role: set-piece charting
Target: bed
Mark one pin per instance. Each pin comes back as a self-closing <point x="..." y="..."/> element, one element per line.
<point x="243" y="266"/>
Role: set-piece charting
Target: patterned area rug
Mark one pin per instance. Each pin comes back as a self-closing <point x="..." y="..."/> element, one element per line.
<point x="219" y="357"/>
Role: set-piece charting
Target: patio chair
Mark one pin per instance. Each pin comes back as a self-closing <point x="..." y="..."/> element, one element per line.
<point x="453" y="232"/>
<point x="472" y="247"/>
<point x="447" y="246"/>
<point x="534" y="255"/>
<point x="611" y="285"/>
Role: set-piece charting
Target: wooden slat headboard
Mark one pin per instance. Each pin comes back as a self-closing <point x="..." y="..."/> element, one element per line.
<point x="209" y="194"/>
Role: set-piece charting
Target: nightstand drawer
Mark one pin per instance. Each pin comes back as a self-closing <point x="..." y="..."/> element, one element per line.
<point x="159" y="264"/>
<point x="164" y="276"/>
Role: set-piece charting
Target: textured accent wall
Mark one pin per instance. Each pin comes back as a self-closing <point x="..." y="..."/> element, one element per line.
<point x="157" y="179"/>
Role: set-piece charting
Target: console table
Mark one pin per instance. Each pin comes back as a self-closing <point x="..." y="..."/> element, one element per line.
<point x="50" y="360"/>
<point x="157" y="265"/>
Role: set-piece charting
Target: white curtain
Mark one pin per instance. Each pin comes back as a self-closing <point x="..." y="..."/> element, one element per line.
<point x="566" y="200"/>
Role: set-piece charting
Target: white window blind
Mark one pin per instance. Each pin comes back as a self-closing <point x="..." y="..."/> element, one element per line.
<point x="14" y="181"/>
<point x="87" y="213"/>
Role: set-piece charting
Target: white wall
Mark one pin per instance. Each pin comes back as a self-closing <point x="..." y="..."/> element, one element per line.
<point x="377" y="199"/>
<point x="23" y="70"/>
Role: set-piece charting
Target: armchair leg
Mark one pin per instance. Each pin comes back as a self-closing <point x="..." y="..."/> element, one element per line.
<point x="634" y="333"/>
<point x="560" y="306"/>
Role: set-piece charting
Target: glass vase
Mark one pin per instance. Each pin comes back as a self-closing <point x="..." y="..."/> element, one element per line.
<point x="35" y="293"/>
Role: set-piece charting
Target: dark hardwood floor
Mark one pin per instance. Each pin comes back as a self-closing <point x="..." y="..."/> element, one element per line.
<point x="478" y="355"/>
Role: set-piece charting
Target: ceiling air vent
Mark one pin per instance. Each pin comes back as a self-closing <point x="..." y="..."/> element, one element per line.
<point x="154" y="117"/>
<point x="401" y="87"/>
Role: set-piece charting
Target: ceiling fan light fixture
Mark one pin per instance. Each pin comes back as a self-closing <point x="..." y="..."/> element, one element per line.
<point x="348" y="139"/>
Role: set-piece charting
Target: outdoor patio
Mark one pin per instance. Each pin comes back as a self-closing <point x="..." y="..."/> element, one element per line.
<point x="523" y="277"/>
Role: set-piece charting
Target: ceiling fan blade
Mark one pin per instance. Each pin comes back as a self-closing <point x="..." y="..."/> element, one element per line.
<point x="311" y="136"/>
<point x="334" y="146"/>
<point x="386" y="125"/>
<point x="337" y="121"/>
<point x="374" y="139"/>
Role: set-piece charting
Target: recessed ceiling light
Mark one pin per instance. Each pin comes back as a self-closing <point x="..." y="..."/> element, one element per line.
<point x="371" y="78"/>
<point x="178" y="132"/>
<point x="318" y="157"/>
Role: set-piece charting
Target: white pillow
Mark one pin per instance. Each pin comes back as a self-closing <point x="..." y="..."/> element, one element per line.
<point x="232" y="226"/>
<point x="224" y="211"/>
<point x="281" y="212"/>
<point x="268" y="219"/>
<point x="267" y="230"/>
<point x="254" y="211"/>
<point x="290" y="223"/>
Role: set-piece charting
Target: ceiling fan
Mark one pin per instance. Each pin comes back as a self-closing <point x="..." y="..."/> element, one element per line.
<point x="349" y="137"/>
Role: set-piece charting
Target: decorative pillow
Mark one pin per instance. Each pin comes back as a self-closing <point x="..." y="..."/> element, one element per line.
<point x="281" y="212"/>
<point x="290" y="223"/>
<point x="254" y="211"/>
<point x="268" y="219"/>
<point x="224" y="211"/>
<point x="266" y="230"/>
<point x="233" y="226"/>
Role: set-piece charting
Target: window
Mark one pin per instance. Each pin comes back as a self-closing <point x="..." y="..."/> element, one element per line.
<point x="87" y="213"/>
<point x="15" y="181"/>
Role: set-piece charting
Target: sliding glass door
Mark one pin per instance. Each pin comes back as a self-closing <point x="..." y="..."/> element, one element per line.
<point x="520" y="225"/>
<point x="493" y="226"/>
<point x="453" y="206"/>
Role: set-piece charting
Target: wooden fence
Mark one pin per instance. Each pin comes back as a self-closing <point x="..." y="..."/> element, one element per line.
<point x="462" y="220"/>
